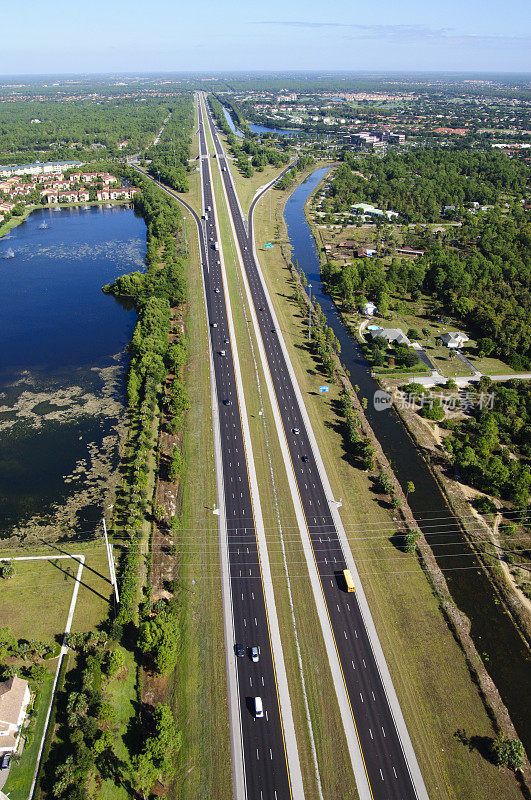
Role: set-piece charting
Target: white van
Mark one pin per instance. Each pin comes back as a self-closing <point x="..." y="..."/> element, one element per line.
<point x="258" y="707"/>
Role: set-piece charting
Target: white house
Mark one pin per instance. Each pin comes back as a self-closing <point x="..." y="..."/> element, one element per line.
<point x="14" y="700"/>
<point x="454" y="339"/>
<point x="368" y="309"/>
<point x="391" y="335"/>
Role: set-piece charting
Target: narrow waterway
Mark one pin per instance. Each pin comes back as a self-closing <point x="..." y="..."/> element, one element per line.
<point x="255" y="128"/>
<point x="62" y="365"/>
<point x="496" y="638"/>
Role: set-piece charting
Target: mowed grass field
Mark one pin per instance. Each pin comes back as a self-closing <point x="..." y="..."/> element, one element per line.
<point x="430" y="675"/>
<point x="36" y="601"/>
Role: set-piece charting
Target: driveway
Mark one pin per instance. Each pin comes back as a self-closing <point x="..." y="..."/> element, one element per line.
<point x="465" y="360"/>
<point x="423" y="356"/>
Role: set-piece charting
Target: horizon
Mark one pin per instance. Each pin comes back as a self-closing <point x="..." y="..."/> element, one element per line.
<point x="109" y="38"/>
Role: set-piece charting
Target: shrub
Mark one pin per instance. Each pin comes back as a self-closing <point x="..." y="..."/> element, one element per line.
<point x="484" y="505"/>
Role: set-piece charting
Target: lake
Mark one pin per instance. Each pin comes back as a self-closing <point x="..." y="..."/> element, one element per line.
<point x="62" y="365"/>
<point x="255" y="128"/>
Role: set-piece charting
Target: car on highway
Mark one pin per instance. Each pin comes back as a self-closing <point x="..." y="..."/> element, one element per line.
<point x="225" y="341"/>
<point x="217" y="290"/>
<point x="304" y="458"/>
<point x="239" y="650"/>
<point x="296" y="431"/>
<point x="258" y="707"/>
<point x="260" y="309"/>
<point x="214" y="324"/>
<point x="227" y="401"/>
<point x="222" y="353"/>
<point x="254" y="654"/>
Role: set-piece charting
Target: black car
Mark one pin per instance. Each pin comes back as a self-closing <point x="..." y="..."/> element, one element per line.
<point x="227" y="401"/>
<point x="304" y="458"/>
<point x="239" y="650"/>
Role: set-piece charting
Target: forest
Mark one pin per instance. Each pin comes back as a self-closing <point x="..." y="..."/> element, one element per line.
<point x="170" y="157"/>
<point x="481" y="276"/>
<point x="419" y="184"/>
<point x="491" y="449"/>
<point x="81" y="130"/>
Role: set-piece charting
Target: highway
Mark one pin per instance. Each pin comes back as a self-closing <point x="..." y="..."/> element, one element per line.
<point x="265" y="764"/>
<point x="387" y="769"/>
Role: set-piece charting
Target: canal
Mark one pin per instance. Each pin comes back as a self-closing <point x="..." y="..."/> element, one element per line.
<point x="493" y="631"/>
<point x="62" y="366"/>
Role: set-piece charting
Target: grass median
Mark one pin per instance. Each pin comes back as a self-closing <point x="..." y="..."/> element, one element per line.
<point x="428" y="668"/>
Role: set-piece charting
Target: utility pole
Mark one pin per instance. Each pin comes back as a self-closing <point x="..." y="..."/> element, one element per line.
<point x="310" y="314"/>
<point x="110" y="559"/>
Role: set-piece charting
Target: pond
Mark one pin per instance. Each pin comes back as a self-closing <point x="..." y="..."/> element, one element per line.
<point x="62" y="365"/>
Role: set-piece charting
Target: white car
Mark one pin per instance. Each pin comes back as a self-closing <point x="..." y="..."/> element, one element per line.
<point x="254" y="653"/>
<point x="258" y="707"/>
<point x="296" y="431"/>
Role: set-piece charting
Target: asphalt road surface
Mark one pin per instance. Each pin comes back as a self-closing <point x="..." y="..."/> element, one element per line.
<point x="385" y="764"/>
<point x="265" y="763"/>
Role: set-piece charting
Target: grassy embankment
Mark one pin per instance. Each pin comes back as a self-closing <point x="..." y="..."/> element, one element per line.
<point x="193" y="195"/>
<point x="199" y="686"/>
<point x="334" y="765"/>
<point x="429" y="671"/>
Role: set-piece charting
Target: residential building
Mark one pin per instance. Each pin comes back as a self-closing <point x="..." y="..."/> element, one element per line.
<point x="392" y="335"/>
<point x="39" y="168"/>
<point x="454" y="339"/>
<point x="14" y="701"/>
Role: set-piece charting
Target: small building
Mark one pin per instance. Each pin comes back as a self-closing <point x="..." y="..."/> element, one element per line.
<point x="454" y="339"/>
<point x="408" y="251"/>
<point x="348" y="244"/>
<point x="368" y="309"/>
<point x="392" y="335"/>
<point x="14" y="700"/>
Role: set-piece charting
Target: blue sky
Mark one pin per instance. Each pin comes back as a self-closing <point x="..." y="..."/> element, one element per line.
<point x="64" y="36"/>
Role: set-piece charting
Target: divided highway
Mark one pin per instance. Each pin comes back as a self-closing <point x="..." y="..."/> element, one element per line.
<point x="390" y="775"/>
<point x="266" y="771"/>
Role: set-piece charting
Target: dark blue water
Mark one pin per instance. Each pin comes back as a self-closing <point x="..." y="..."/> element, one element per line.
<point x="231" y="124"/>
<point x="495" y="636"/>
<point x="255" y="128"/>
<point x="62" y="360"/>
<point x="266" y="129"/>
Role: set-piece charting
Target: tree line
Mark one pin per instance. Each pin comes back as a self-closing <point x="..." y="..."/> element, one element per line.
<point x="418" y="184"/>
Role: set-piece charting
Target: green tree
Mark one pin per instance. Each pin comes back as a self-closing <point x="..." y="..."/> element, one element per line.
<point x="410" y="540"/>
<point x="508" y="752"/>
